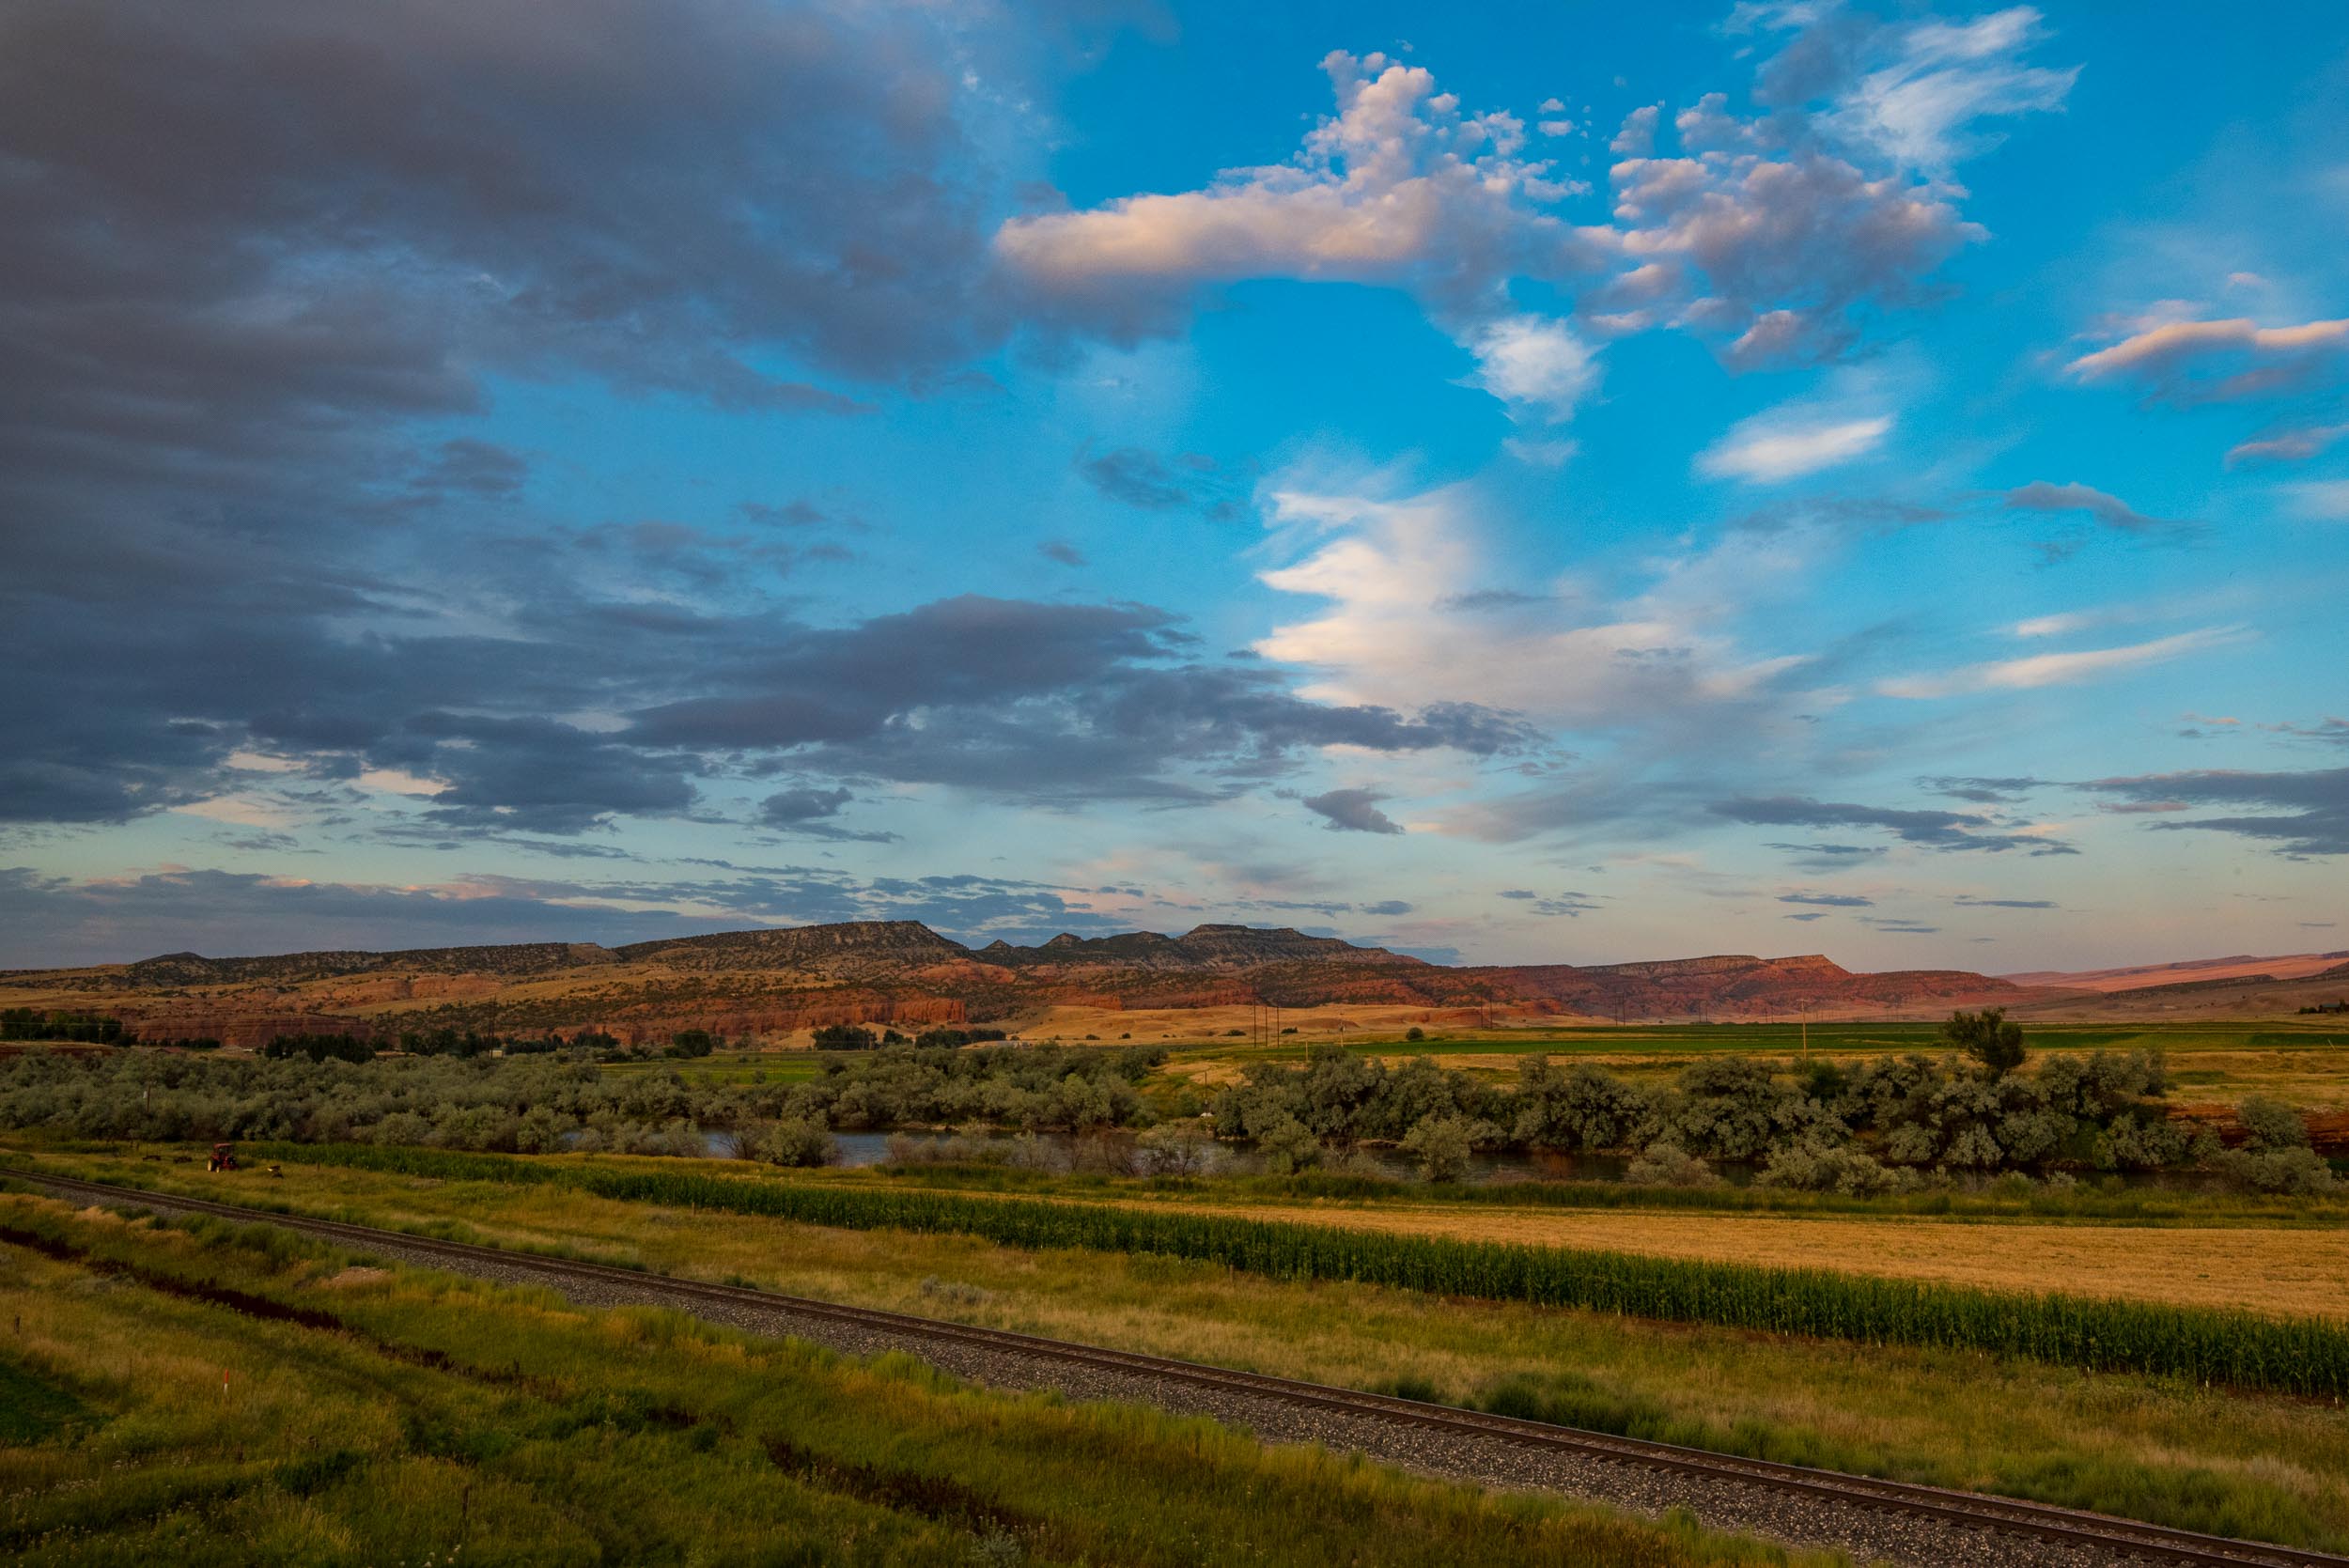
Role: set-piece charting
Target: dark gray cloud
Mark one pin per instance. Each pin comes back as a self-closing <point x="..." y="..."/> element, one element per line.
<point x="1387" y="907"/>
<point x="1828" y="857"/>
<point x="2109" y="511"/>
<point x="252" y="257"/>
<point x="1933" y="830"/>
<point x="2004" y="903"/>
<point x="1136" y="476"/>
<point x="1985" y="792"/>
<point x="56" y="921"/>
<point x="478" y="468"/>
<point x="1572" y="905"/>
<point x="2306" y="814"/>
<point x="1061" y="551"/>
<point x="1352" y="811"/>
<point x="794" y="806"/>
<point x="1827" y="900"/>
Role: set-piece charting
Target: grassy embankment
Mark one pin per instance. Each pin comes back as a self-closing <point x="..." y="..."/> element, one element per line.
<point x="377" y="1416"/>
<point x="2261" y="1465"/>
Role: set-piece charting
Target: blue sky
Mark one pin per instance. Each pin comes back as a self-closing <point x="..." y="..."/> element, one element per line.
<point x="1519" y="484"/>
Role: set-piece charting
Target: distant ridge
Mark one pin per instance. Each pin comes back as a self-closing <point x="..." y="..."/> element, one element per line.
<point x="772" y="979"/>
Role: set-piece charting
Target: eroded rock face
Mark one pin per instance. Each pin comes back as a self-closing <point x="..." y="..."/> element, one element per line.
<point x="901" y="972"/>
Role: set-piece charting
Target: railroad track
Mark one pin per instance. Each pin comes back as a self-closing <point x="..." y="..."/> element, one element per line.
<point x="1966" y="1509"/>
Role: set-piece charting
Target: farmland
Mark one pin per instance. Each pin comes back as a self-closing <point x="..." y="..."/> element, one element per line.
<point x="213" y="1396"/>
<point x="2156" y="1447"/>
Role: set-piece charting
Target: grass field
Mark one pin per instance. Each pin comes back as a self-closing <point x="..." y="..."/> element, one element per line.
<point x="219" y="1394"/>
<point x="2263" y="1466"/>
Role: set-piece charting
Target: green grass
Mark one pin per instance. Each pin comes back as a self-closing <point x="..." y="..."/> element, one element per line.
<point x="2259" y="1467"/>
<point x="413" y="1417"/>
<point x="33" y="1408"/>
<point x="2240" y="1349"/>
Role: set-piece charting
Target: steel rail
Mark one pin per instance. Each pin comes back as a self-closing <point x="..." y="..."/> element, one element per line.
<point x="1971" y="1509"/>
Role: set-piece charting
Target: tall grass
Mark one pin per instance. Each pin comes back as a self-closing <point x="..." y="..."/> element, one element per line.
<point x="2243" y="1350"/>
<point x="415" y="1418"/>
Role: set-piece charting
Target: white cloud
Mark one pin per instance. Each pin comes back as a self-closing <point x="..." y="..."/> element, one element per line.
<point x="1536" y="366"/>
<point x="1399" y="187"/>
<point x="1397" y="574"/>
<point x="2324" y="500"/>
<point x="2056" y="669"/>
<point x="2060" y="625"/>
<point x="1918" y="109"/>
<point x="1540" y="453"/>
<point x="1767" y="237"/>
<point x="1788" y="443"/>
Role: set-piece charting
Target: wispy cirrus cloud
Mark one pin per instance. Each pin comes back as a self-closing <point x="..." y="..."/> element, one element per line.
<point x="2057" y="669"/>
<point x="2296" y="444"/>
<point x="2236" y="360"/>
<point x="1779" y="446"/>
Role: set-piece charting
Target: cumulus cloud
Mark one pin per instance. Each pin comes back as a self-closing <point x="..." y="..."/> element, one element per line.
<point x="1352" y="811"/>
<point x="2188" y="362"/>
<point x="1773" y="235"/>
<point x="1399" y="187"/>
<point x="2057" y="669"/>
<point x="1536" y="366"/>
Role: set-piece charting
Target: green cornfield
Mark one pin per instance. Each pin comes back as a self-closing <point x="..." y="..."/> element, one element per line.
<point x="2244" y="1350"/>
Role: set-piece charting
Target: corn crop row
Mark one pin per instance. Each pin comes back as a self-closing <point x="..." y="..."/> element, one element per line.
<point x="2304" y="1355"/>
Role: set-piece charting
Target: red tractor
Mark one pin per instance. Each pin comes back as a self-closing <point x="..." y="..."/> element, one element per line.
<point x="224" y="1157"/>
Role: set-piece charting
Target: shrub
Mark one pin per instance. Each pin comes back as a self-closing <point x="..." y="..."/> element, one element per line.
<point x="1178" y="1148"/>
<point x="1666" y="1165"/>
<point x="1442" y="1145"/>
<point x="2271" y="1124"/>
<point x="1815" y="1166"/>
<point x="2300" y="1172"/>
<point x="1988" y="1038"/>
<point x="798" y="1143"/>
<point x="1287" y="1145"/>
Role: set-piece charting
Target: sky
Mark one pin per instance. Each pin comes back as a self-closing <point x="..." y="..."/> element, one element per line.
<point x="1508" y="483"/>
